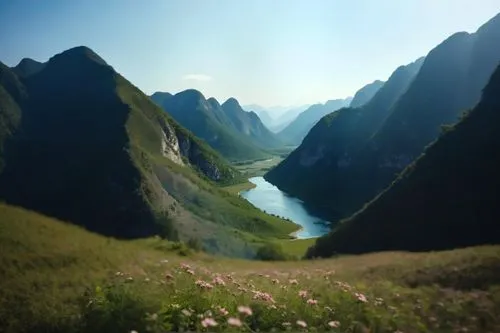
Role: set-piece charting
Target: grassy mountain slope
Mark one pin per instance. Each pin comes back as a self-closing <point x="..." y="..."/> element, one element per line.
<point x="295" y="132"/>
<point x="328" y="147"/>
<point x="208" y="122"/>
<point x="365" y="94"/>
<point x="80" y="143"/>
<point x="57" y="277"/>
<point x="448" y="198"/>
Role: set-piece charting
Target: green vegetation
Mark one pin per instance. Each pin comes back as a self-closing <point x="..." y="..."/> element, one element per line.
<point x="257" y="168"/>
<point x="447" y="198"/>
<point x="56" y="277"/>
<point x="296" y="247"/>
<point x="237" y="188"/>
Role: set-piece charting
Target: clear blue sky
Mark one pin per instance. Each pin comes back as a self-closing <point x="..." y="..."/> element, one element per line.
<point x="270" y="52"/>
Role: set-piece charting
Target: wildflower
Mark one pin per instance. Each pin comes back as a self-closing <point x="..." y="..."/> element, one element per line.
<point x="218" y="281"/>
<point x="272" y="306"/>
<point x="208" y="322"/>
<point x="203" y="285"/>
<point x="311" y="301"/>
<point x="286" y="324"/>
<point x="293" y="281"/>
<point x="301" y="323"/>
<point x="328" y="308"/>
<point x="303" y="293"/>
<point x="130" y="279"/>
<point x="190" y="271"/>
<point x="275" y="281"/>
<point x="379" y="301"/>
<point x="185" y="266"/>
<point x="186" y="312"/>
<point x="242" y="289"/>
<point x="362" y="298"/>
<point x="169" y="276"/>
<point x="245" y="310"/>
<point x="263" y="296"/>
<point x="223" y="311"/>
<point x="334" y="324"/>
<point x="119" y="274"/>
<point x="234" y="322"/>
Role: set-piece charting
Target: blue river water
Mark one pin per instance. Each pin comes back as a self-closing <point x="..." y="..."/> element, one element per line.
<point x="272" y="200"/>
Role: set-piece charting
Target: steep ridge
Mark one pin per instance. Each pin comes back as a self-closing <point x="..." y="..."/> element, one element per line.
<point x="207" y="120"/>
<point x="365" y="94"/>
<point x="447" y="198"/>
<point x="295" y="132"/>
<point x="448" y="83"/>
<point x="327" y="148"/>
<point x="249" y="125"/>
<point x="81" y="143"/>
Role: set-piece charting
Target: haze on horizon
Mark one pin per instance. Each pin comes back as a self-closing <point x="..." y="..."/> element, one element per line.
<point x="260" y="52"/>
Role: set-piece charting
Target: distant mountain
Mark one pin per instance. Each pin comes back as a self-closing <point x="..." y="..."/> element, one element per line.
<point x="447" y="198"/>
<point x="250" y="125"/>
<point x="208" y="121"/>
<point x="300" y="126"/>
<point x="367" y="158"/>
<point x="326" y="149"/>
<point x="365" y="94"/>
<point x="276" y="118"/>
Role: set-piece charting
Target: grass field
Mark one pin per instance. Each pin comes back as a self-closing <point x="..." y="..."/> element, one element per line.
<point x="235" y="189"/>
<point x="258" y="168"/>
<point x="296" y="247"/>
<point x="56" y="277"/>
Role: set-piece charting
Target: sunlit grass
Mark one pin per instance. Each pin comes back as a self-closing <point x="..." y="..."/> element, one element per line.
<point x="57" y="277"/>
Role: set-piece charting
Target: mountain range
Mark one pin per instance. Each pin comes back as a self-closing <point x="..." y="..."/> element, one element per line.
<point x="276" y="118"/>
<point x="365" y="94"/>
<point x="236" y="134"/>
<point x="80" y="143"/>
<point x="447" y="198"/>
<point x="360" y="151"/>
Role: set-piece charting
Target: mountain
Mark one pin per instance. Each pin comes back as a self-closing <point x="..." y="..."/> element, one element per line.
<point x="249" y="125"/>
<point x="326" y="148"/>
<point x="300" y="126"/>
<point x="447" y="198"/>
<point x="208" y="121"/>
<point x="448" y="82"/>
<point x="278" y="117"/>
<point x="365" y="94"/>
<point x="80" y="143"/>
<point x="28" y="67"/>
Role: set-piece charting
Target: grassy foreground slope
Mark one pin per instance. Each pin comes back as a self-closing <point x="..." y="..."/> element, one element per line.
<point x="57" y="277"/>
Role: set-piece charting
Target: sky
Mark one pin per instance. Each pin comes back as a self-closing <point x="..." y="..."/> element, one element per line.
<point x="268" y="52"/>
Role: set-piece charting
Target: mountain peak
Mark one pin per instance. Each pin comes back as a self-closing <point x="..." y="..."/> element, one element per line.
<point x="191" y="94"/>
<point x="28" y="66"/>
<point x="232" y="103"/>
<point x="80" y="53"/>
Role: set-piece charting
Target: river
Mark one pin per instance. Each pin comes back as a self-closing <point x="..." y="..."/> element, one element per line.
<point x="272" y="200"/>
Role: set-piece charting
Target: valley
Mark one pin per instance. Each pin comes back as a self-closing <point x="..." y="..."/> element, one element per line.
<point x="250" y="167"/>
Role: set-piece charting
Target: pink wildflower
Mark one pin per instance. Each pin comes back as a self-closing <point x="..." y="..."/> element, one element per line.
<point x="263" y="296"/>
<point x="311" y="301"/>
<point x="301" y="323"/>
<point x="334" y="324"/>
<point x="190" y="271"/>
<point x="208" y="322"/>
<point x="303" y="293"/>
<point x="223" y="311"/>
<point x="218" y="281"/>
<point x="203" y="285"/>
<point x="245" y="310"/>
<point x="362" y="298"/>
<point x="234" y="322"/>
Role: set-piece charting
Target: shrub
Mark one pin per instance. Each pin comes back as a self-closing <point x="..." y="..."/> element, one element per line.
<point x="271" y="252"/>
